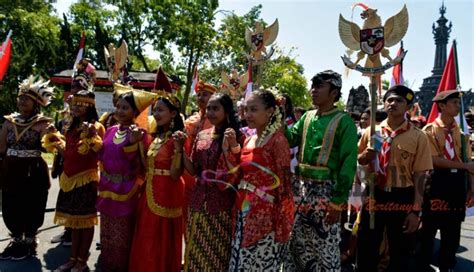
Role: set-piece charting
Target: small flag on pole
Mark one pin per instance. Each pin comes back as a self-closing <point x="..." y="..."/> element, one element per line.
<point x="448" y="82"/>
<point x="249" y="88"/>
<point x="5" y="55"/>
<point x="397" y="71"/>
<point x="194" y="84"/>
<point x="80" y="53"/>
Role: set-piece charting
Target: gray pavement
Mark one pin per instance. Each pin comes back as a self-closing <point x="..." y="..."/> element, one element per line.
<point x="50" y="256"/>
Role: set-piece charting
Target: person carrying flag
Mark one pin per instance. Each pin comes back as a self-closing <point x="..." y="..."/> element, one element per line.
<point x="403" y="161"/>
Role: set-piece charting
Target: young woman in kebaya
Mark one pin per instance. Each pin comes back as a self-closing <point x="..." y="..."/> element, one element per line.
<point x="157" y="242"/>
<point x="122" y="172"/>
<point x="265" y="207"/>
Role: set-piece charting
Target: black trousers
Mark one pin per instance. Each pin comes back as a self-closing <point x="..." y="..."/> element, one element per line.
<point x="450" y="238"/>
<point x="24" y="195"/>
<point x="389" y="216"/>
<point x="23" y="212"/>
<point x="444" y="210"/>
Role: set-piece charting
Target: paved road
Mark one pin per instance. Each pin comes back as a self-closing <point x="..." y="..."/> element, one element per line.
<point x="50" y="256"/>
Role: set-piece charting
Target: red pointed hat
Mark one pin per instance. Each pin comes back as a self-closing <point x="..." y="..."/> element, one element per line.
<point x="163" y="88"/>
<point x="162" y="82"/>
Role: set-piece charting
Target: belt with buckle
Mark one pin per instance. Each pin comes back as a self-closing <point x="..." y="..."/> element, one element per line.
<point x="252" y="188"/>
<point x="23" y="153"/>
<point x="159" y="172"/>
<point x="116" y="178"/>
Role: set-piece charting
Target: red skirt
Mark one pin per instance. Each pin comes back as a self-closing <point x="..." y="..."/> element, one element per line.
<point x="157" y="242"/>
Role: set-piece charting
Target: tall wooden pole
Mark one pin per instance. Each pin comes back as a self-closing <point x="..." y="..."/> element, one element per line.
<point x="373" y="110"/>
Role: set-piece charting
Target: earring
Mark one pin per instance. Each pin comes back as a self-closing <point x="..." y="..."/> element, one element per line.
<point x="172" y="124"/>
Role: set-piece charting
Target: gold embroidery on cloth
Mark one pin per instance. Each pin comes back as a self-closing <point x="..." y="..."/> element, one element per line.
<point x="119" y="197"/>
<point x="69" y="183"/>
<point x="152" y="205"/>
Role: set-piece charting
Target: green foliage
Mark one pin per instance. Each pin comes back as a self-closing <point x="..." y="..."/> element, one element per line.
<point x="340" y="105"/>
<point x="231" y="49"/>
<point x="98" y="22"/>
<point x="36" y="48"/>
<point x="385" y="84"/>
<point x="182" y="32"/>
<point x="193" y="33"/>
<point x="286" y="74"/>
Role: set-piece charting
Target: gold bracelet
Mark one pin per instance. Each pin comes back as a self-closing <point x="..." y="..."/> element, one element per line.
<point x="176" y="161"/>
<point x="235" y="149"/>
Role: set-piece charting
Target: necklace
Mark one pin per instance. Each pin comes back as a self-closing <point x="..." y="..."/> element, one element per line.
<point x="156" y="145"/>
<point x="119" y="136"/>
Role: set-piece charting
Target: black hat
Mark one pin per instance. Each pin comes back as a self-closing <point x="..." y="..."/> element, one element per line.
<point x="328" y="76"/>
<point x="402" y="91"/>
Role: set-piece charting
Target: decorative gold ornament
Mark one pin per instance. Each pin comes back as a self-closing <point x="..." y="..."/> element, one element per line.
<point x="259" y="38"/>
<point x="373" y="39"/>
<point x="234" y="84"/>
<point x="116" y="59"/>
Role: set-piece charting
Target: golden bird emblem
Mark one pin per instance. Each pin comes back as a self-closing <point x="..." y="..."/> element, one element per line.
<point x="234" y="84"/>
<point x="373" y="39"/>
<point x="259" y="38"/>
<point x="116" y="59"/>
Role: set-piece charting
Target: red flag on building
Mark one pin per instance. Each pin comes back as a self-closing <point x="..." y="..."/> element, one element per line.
<point x="449" y="80"/>
<point x="5" y="55"/>
<point x="249" y="88"/>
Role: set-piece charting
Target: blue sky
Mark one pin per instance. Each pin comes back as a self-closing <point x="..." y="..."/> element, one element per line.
<point x="312" y="28"/>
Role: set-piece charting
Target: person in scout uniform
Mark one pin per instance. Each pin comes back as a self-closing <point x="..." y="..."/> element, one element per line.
<point x="401" y="164"/>
<point x="327" y="140"/>
<point x="444" y="207"/>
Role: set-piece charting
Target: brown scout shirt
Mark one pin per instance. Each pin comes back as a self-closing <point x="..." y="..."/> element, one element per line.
<point x="436" y="137"/>
<point x="409" y="153"/>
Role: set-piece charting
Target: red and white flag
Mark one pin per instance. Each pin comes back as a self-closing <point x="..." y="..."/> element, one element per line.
<point x="80" y="53"/>
<point x="397" y="71"/>
<point x="249" y="88"/>
<point x="450" y="81"/>
<point x="5" y="55"/>
<point x="194" y="84"/>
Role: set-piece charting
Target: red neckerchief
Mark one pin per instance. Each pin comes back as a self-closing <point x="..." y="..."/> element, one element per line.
<point x="384" y="155"/>
<point x="448" y="150"/>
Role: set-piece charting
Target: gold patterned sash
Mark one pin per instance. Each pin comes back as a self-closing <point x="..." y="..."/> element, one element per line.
<point x="328" y="138"/>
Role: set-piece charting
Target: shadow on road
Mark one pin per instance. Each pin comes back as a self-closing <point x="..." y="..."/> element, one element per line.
<point x="56" y="256"/>
<point x="32" y="264"/>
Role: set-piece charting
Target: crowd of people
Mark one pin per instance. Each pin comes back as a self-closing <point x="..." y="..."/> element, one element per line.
<point x="255" y="185"/>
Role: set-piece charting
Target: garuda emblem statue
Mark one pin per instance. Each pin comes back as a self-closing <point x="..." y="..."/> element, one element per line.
<point x="116" y="59"/>
<point x="373" y="39"/>
<point x="259" y="39"/>
<point x="234" y="84"/>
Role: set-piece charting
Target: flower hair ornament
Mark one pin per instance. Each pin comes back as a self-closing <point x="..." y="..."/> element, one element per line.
<point x="280" y="100"/>
<point x="273" y="125"/>
<point x="37" y="89"/>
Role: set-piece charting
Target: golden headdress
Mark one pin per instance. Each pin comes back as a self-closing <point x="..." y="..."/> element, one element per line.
<point x="37" y="89"/>
<point x="142" y="99"/>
